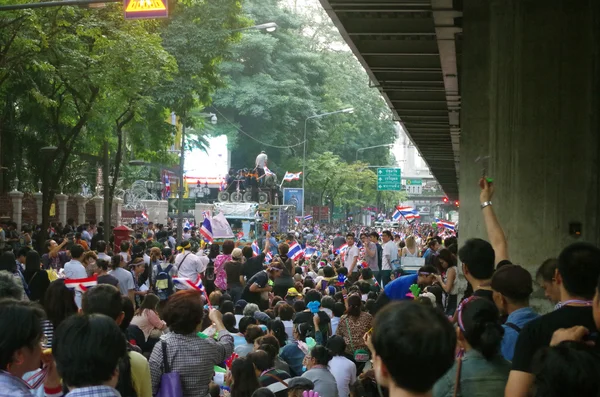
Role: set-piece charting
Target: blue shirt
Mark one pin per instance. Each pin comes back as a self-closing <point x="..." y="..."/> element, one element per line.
<point x="397" y="289"/>
<point x="519" y="317"/>
<point x="11" y="386"/>
<point x="293" y="356"/>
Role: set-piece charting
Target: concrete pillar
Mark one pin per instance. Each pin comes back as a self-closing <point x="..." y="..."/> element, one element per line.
<point x="80" y="209"/>
<point x="17" y="207"/>
<point x="62" y="208"/>
<point x="529" y="83"/>
<point x="98" y="205"/>
<point x="163" y="210"/>
<point x="38" y="204"/>
<point x="116" y="211"/>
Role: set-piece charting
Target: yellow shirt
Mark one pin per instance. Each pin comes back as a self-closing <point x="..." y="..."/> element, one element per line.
<point x="140" y="374"/>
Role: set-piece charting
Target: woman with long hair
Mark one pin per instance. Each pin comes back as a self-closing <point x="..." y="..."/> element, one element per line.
<point x="354" y="325"/>
<point x="243" y="381"/>
<point x="36" y="278"/>
<point x="148" y="321"/>
<point x="448" y="280"/>
<point x="89" y="262"/>
<point x="220" y="275"/>
<point x="278" y="331"/>
<point x="411" y="249"/>
<point x="58" y="303"/>
<point x="481" y="370"/>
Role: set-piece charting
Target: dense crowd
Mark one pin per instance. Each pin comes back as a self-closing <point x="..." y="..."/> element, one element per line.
<point x="313" y="312"/>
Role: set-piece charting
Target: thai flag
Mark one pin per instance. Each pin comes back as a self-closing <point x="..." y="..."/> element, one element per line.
<point x="295" y="251"/>
<point x="375" y="282"/>
<point x="186" y="283"/>
<point x="397" y="215"/>
<point x="341" y="249"/>
<point x="291" y="176"/>
<point x="223" y="185"/>
<point x="206" y="230"/>
<point x="447" y="224"/>
<point x="167" y="190"/>
<point x="409" y="213"/>
<point x="296" y="221"/>
<point x="308" y="217"/>
<point x="81" y="284"/>
<point x="144" y="215"/>
<point x="309" y="251"/>
<point x="268" y="257"/>
<point x="255" y="249"/>
<point x="268" y="171"/>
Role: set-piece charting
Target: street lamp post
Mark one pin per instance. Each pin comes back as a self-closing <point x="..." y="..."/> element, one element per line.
<point x="316" y="116"/>
<point x="362" y="149"/>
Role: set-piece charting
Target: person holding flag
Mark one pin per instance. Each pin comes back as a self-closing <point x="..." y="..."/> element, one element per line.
<point x="257" y="289"/>
<point x="188" y="264"/>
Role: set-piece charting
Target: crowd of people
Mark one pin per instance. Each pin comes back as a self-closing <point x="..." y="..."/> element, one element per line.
<point x="343" y="318"/>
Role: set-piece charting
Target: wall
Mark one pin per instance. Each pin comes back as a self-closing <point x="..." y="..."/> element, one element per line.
<point x="530" y="92"/>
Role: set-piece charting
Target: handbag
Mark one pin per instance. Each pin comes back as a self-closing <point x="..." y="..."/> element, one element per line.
<point x="360" y="355"/>
<point x="170" y="382"/>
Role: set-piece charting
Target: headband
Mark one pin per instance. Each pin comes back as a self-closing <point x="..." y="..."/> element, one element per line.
<point x="184" y="247"/>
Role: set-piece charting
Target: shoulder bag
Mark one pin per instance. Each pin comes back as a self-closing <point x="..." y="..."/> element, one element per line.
<point x="360" y="355"/>
<point x="170" y="382"/>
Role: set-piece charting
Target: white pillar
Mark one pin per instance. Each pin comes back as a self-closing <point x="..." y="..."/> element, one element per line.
<point x="17" y="207"/>
<point x="116" y="210"/>
<point x="151" y="210"/>
<point x="62" y="208"/>
<point x="80" y="209"/>
<point x="38" y="203"/>
<point x="163" y="210"/>
<point x="98" y="204"/>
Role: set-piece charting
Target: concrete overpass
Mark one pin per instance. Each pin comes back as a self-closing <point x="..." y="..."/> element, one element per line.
<point x="518" y="80"/>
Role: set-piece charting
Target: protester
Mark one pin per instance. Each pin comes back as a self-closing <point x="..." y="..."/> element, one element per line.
<point x="21" y="339"/>
<point x="389" y="254"/>
<point x="243" y="379"/>
<point x="252" y="333"/>
<point x="577" y="273"/>
<point x="316" y="363"/>
<point x="285" y="280"/>
<point x="102" y="275"/>
<point x="235" y="279"/>
<point x="412" y="346"/>
<point x="187" y="354"/>
<point x="512" y="286"/>
<point x="59" y="304"/>
<point x="351" y="257"/>
<point x="220" y="260"/>
<point x="9" y="288"/>
<point x="445" y="263"/>
<point x="267" y="373"/>
<point x="257" y="288"/>
<point x="126" y="284"/>
<point x="147" y="319"/>
<point x="545" y="276"/>
<point x="353" y="325"/>
<point x="292" y="353"/>
<point x="188" y="264"/>
<point x="481" y="370"/>
<point x="477" y="257"/>
<point x="85" y="368"/>
<point x="399" y="289"/>
<point x="55" y="258"/>
<point x="36" y="278"/>
<point x="410" y="250"/>
<point x="342" y="369"/>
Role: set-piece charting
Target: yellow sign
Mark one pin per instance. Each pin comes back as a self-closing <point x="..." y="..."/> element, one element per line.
<point x="53" y="209"/>
<point x="136" y="9"/>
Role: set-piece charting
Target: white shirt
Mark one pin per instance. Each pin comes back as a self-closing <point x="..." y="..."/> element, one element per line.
<point x="191" y="267"/>
<point x="351" y="253"/>
<point x="261" y="160"/>
<point x="74" y="269"/>
<point x="289" y="329"/>
<point x="334" y="324"/>
<point x="146" y="259"/>
<point x="125" y="278"/>
<point x="125" y="256"/>
<point x="344" y="372"/>
<point x="104" y="257"/>
<point x="390" y="253"/>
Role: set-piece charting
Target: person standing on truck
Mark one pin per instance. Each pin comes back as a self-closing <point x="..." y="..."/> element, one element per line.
<point x="261" y="163"/>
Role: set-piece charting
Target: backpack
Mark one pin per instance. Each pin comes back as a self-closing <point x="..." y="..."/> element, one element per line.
<point x="209" y="273"/>
<point x="163" y="282"/>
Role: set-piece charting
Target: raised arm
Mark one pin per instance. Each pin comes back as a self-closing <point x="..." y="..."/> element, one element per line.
<point x="494" y="230"/>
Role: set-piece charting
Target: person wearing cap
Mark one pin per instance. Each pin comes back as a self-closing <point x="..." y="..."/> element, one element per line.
<point x="512" y="285"/>
<point x="292" y="295"/>
<point x="257" y="288"/>
<point x="188" y="264"/>
<point x="235" y="278"/>
<point x="298" y="385"/>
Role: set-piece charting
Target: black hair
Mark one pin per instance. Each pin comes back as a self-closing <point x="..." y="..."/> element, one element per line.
<point x="337" y="345"/>
<point x="579" y="267"/>
<point x="228" y="246"/>
<point x="8" y="262"/>
<point x="115" y="261"/>
<point x="245" y="322"/>
<point x="371" y="306"/>
<point x="102" y="264"/>
<point x="327" y="302"/>
<point x="125" y="246"/>
<point x="247" y="252"/>
<point x="271" y="350"/>
<point x="312" y="295"/>
<point x="245" y="381"/>
<point x="387" y="233"/>
<point x="229" y="322"/>
<point x="20" y="327"/>
<point x="363" y="286"/>
<point x="569" y="369"/>
<point x="447" y="256"/>
<point x="547" y="270"/>
<point x="23" y="251"/>
<point x="374" y="234"/>
<point x="213" y="252"/>
<point x="410" y="332"/>
<point x="428" y="269"/>
<point x="261" y="360"/>
<point x="479" y="321"/>
<point x="343" y="270"/>
<point x="303" y="330"/>
<point x="321" y="354"/>
<point x="350" y="234"/>
<point x="128" y="311"/>
<point x="478" y="256"/>
<point x="263" y="392"/>
<point x="87" y="350"/>
<point x="101" y="246"/>
<point x="226" y="307"/>
<point x="298" y="270"/>
<point x="366" y="273"/>
<point x="32" y="264"/>
<point x="354" y="305"/>
<point x="309" y="283"/>
<point x="253" y="332"/>
<point x="102" y="299"/>
<point x="76" y="251"/>
<point x="278" y="330"/>
<point x="59" y="302"/>
<point x="328" y="271"/>
<point x="299" y="306"/>
<point x="338" y="309"/>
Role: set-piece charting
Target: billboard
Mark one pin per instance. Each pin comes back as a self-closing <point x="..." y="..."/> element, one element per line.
<point x="213" y="164"/>
<point x="295" y="197"/>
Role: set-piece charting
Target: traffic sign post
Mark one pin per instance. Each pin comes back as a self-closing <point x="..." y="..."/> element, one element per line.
<point x="389" y="179"/>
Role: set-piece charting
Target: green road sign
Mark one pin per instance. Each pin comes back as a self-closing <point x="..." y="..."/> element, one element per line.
<point x="414" y="182"/>
<point x="188" y="204"/>
<point x="389" y="179"/>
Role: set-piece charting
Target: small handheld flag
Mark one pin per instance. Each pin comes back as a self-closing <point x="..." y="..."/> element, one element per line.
<point x="255" y="249"/>
<point x="295" y="252"/>
<point x="291" y="176"/>
<point x="206" y="230"/>
<point x="308" y="217"/>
